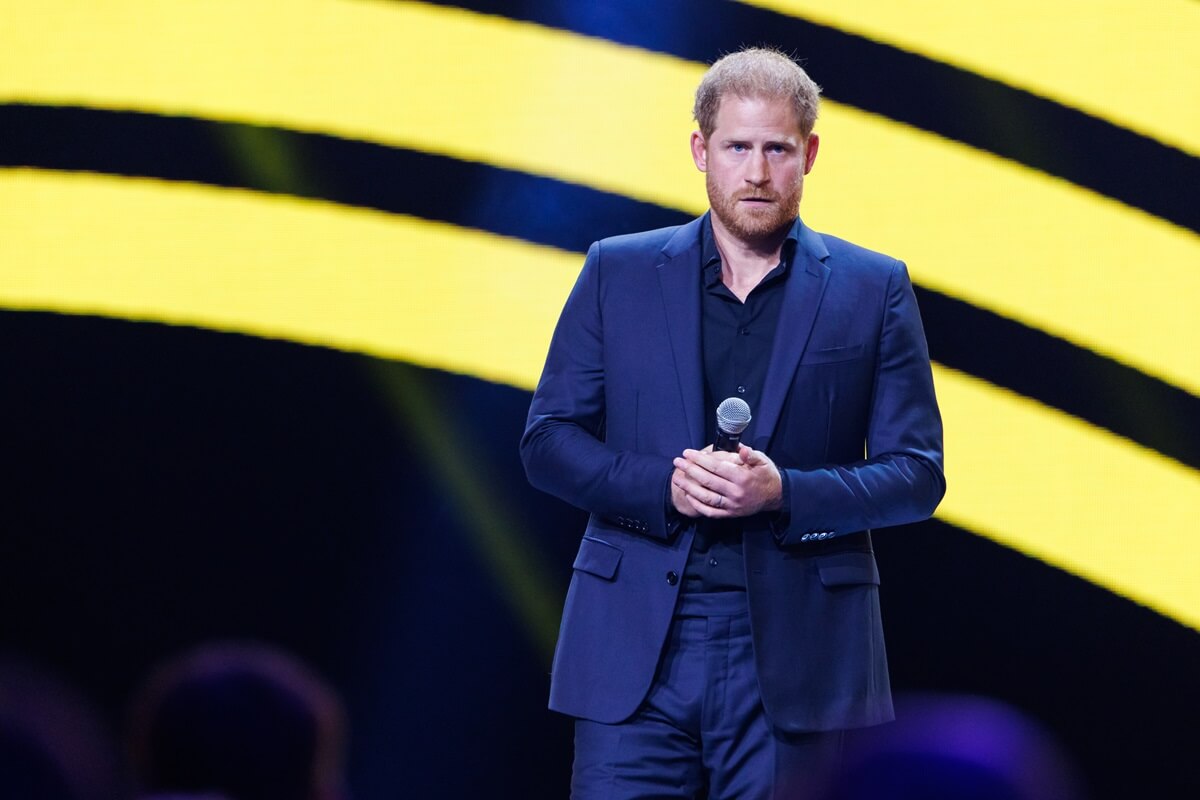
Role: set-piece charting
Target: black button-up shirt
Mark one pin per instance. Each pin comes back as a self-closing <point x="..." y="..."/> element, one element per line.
<point x="736" y="339"/>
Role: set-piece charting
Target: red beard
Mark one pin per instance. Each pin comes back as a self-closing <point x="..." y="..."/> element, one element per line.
<point x="754" y="222"/>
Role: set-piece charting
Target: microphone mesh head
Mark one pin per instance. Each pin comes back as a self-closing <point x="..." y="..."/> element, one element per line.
<point x="733" y="415"/>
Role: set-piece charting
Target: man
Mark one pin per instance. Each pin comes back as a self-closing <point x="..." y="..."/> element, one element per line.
<point x="722" y="624"/>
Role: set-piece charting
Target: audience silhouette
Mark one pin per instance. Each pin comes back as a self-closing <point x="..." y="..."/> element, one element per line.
<point x="242" y="721"/>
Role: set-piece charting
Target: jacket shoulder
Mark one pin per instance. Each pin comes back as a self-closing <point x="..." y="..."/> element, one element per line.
<point x="640" y="243"/>
<point x="844" y="253"/>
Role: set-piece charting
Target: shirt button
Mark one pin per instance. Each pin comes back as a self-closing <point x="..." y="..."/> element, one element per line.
<point x="741" y="390"/>
<point x="744" y="331"/>
<point x="712" y="562"/>
<point x="672" y="578"/>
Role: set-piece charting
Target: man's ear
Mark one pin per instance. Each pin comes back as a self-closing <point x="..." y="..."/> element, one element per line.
<point x="699" y="151"/>
<point x="810" y="152"/>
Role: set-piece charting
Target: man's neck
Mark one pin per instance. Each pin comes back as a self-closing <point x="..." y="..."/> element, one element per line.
<point x="745" y="263"/>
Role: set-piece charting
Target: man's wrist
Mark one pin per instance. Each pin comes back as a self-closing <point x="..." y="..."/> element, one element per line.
<point x="777" y="502"/>
<point x="781" y="516"/>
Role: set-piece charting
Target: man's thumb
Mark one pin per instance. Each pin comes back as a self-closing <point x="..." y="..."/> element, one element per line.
<point x="749" y="455"/>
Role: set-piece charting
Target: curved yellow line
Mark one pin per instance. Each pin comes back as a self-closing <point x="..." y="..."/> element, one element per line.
<point x="501" y="541"/>
<point x="1056" y="488"/>
<point x="406" y="74"/>
<point x="1130" y="62"/>
<point x="466" y="301"/>
<point x="484" y="88"/>
<point x="1006" y="238"/>
<point x="277" y="267"/>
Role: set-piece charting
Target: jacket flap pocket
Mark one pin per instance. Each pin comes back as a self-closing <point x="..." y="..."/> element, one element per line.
<point x="598" y="558"/>
<point x="847" y="569"/>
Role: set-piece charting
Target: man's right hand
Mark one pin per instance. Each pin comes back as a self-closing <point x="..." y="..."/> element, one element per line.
<point x="695" y="495"/>
<point x="680" y="499"/>
<point x="721" y="485"/>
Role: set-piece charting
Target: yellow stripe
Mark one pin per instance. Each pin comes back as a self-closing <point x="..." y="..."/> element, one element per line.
<point x="1059" y="489"/>
<point x="1134" y="63"/>
<point x="485" y="88"/>
<point x="1004" y="237"/>
<point x="308" y="271"/>
<point x="467" y="85"/>
<point x="455" y="299"/>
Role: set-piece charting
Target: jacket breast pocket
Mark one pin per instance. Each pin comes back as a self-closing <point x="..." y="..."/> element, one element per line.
<point x="598" y="557"/>
<point x="831" y="355"/>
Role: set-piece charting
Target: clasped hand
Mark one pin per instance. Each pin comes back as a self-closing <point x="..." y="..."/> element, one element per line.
<point x="720" y="485"/>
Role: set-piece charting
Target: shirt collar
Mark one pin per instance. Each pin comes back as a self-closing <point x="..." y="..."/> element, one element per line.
<point x="709" y="254"/>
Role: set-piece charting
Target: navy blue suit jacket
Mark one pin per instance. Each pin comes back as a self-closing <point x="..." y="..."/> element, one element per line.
<point x="848" y="410"/>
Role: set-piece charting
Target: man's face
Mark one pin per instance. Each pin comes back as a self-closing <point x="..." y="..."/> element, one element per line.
<point x="755" y="161"/>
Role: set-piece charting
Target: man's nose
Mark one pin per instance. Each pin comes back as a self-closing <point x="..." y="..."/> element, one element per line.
<point x="757" y="171"/>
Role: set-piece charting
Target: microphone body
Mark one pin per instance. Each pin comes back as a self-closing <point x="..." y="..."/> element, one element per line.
<point x="733" y="415"/>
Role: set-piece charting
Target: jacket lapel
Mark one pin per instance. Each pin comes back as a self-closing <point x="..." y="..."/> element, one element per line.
<point x="802" y="297"/>
<point x="679" y="279"/>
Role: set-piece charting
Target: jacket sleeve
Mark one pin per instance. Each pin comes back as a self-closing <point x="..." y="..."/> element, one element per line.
<point x="563" y="447"/>
<point x="902" y="478"/>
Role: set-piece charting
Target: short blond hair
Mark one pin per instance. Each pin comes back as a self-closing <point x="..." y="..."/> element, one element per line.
<point x="756" y="72"/>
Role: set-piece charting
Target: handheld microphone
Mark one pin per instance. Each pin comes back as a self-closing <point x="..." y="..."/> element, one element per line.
<point x="733" y="415"/>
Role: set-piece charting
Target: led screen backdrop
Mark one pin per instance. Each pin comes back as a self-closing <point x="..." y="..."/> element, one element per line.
<point x="291" y="269"/>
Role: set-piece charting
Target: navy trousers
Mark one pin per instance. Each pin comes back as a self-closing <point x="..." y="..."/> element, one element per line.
<point x="702" y="731"/>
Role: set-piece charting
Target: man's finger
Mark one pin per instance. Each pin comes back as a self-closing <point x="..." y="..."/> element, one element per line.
<point x="723" y="464"/>
<point x="703" y="476"/>
<point x="712" y="496"/>
<point x="697" y="504"/>
<point x="751" y="456"/>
